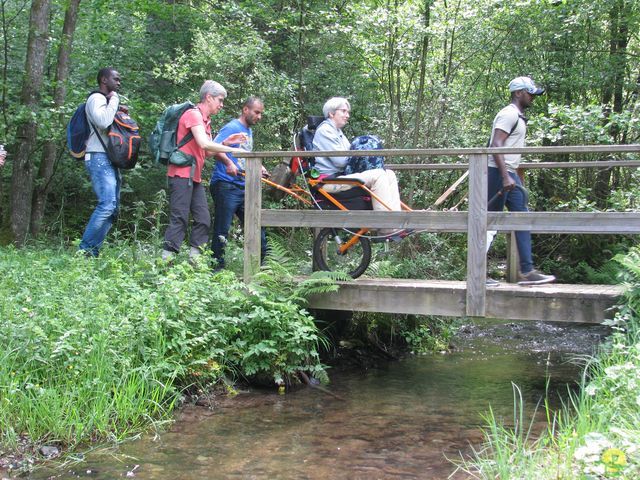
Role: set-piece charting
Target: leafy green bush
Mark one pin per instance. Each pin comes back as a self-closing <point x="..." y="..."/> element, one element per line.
<point x="95" y="348"/>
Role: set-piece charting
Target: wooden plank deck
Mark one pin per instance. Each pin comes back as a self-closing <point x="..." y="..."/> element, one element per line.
<point x="553" y="302"/>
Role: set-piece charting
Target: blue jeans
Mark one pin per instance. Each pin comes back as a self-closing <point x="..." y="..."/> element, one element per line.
<point x="229" y="201"/>
<point x="106" y="180"/>
<point x="515" y="201"/>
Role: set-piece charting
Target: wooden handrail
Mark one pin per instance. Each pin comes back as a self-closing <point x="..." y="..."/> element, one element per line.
<point x="525" y="165"/>
<point x="626" y="223"/>
<point x="438" y="152"/>
<point x="475" y="222"/>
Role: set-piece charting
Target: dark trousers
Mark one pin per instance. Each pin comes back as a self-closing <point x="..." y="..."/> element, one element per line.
<point x="515" y="201"/>
<point x="186" y="197"/>
<point x="229" y="201"/>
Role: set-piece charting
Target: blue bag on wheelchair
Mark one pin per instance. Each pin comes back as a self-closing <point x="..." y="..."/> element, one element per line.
<point x="361" y="164"/>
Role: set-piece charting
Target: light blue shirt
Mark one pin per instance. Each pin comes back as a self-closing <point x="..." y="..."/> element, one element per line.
<point x="220" y="170"/>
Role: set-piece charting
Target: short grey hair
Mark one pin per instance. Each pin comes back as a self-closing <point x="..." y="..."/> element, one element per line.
<point x="213" y="88"/>
<point x="333" y="104"/>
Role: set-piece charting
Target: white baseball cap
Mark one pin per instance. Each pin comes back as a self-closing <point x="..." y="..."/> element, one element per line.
<point x="525" y="83"/>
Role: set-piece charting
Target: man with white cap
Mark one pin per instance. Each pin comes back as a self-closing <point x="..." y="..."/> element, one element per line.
<point x="505" y="186"/>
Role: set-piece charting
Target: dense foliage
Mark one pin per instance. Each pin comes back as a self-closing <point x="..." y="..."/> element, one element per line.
<point x="418" y="73"/>
<point x="95" y="348"/>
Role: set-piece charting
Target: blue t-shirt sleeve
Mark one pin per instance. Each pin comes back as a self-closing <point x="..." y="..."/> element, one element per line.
<point x="228" y="130"/>
<point x="219" y="169"/>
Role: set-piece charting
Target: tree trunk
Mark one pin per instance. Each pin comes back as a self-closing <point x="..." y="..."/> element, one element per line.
<point x="5" y="23"/>
<point x="22" y="177"/>
<point x="390" y="48"/>
<point x="423" y="71"/>
<point x="301" y="25"/>
<point x="613" y="91"/>
<point x="49" y="157"/>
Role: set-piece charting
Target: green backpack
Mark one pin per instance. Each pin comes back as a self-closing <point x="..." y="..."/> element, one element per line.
<point x="164" y="145"/>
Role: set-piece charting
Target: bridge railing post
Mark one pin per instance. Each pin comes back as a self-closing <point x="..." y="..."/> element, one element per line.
<point x="252" y="217"/>
<point x="513" y="262"/>
<point x="477" y="236"/>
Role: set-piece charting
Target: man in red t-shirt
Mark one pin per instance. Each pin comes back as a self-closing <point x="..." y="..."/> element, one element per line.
<point x="186" y="192"/>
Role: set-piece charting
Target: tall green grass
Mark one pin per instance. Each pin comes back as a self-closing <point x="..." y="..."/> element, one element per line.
<point x="596" y="435"/>
<point x="94" y="349"/>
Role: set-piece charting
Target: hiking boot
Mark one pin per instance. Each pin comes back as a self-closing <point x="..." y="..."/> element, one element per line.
<point x="534" y="277"/>
<point x="492" y="282"/>
<point x="194" y="255"/>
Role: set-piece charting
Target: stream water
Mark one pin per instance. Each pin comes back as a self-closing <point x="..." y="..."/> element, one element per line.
<point x="401" y="421"/>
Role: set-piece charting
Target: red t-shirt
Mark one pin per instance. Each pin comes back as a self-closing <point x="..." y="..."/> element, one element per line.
<point x="190" y="119"/>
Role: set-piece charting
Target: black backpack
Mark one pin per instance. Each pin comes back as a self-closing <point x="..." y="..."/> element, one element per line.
<point x="123" y="137"/>
<point x="123" y="142"/>
<point x="303" y="141"/>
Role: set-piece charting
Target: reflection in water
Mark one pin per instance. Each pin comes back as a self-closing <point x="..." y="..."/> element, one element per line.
<point x="399" y="422"/>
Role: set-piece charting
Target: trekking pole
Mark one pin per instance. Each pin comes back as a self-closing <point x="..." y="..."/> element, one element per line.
<point x="495" y="197"/>
<point x="501" y="192"/>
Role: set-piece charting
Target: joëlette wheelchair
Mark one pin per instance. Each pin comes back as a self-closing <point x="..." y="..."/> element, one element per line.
<point x="334" y="249"/>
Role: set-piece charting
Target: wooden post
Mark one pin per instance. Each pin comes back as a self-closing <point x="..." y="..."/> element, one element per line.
<point x="477" y="237"/>
<point x="252" y="217"/>
<point x="513" y="261"/>
<point x="314" y="265"/>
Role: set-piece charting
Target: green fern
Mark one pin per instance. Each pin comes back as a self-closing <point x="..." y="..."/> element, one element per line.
<point x="383" y="268"/>
<point x="279" y="273"/>
<point x="631" y="278"/>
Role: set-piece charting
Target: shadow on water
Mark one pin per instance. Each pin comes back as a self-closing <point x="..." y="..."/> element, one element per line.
<point x="398" y="422"/>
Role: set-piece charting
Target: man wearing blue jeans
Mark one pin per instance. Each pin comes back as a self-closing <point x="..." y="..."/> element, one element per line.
<point x="101" y="109"/>
<point x="505" y="186"/>
<point x="227" y="183"/>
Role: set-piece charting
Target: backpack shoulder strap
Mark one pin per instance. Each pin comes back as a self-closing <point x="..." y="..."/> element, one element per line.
<point x="189" y="136"/>
<point x="515" y="125"/>
<point x="513" y="129"/>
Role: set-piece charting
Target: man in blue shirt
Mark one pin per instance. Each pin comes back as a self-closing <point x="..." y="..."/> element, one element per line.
<point x="227" y="183"/>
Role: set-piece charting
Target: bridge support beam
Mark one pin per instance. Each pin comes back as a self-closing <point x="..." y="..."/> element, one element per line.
<point x="252" y="217"/>
<point x="552" y="303"/>
<point x="477" y="236"/>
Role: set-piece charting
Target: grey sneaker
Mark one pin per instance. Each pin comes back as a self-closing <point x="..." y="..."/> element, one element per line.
<point x="492" y="282"/>
<point x="167" y="256"/>
<point x="534" y="277"/>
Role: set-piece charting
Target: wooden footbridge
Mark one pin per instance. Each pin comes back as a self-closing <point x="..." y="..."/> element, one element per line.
<point x="555" y="302"/>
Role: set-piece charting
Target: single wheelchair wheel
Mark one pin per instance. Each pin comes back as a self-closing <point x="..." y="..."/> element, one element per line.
<point x="327" y="255"/>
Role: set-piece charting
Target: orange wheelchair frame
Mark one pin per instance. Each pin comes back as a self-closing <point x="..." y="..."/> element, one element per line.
<point x="352" y="250"/>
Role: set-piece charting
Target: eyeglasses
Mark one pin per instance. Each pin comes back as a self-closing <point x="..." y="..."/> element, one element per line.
<point x="345" y="110"/>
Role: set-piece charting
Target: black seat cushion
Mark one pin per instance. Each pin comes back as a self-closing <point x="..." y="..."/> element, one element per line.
<point x="352" y="199"/>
